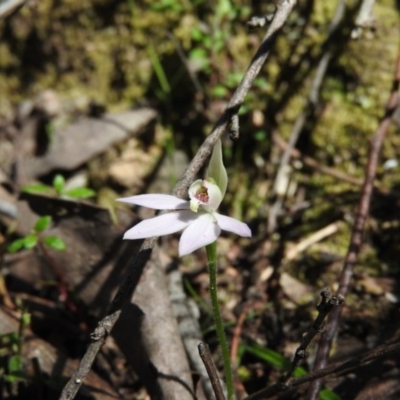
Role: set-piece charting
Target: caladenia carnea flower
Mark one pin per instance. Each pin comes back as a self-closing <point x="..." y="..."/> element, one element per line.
<point x="198" y="217"/>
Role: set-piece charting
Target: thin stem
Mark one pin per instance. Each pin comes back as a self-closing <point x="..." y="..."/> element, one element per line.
<point x="212" y="270"/>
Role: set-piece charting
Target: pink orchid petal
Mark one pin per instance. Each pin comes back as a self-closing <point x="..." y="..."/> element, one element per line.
<point x="161" y="225"/>
<point x="232" y="225"/>
<point x="204" y="230"/>
<point x="157" y="201"/>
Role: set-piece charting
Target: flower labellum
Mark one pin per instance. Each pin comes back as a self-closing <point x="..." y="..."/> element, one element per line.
<point x="198" y="217"/>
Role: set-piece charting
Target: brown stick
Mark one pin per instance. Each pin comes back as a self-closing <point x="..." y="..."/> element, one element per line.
<point x="313" y="163"/>
<point x="239" y="387"/>
<point x="328" y="303"/>
<point x="334" y="369"/>
<point x="132" y="277"/>
<point x="358" y="229"/>
<point x="212" y="371"/>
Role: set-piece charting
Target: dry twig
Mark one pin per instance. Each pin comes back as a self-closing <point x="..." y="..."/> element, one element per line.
<point x="328" y="303"/>
<point x="239" y="387"/>
<point x="316" y="237"/>
<point x="212" y="371"/>
<point x="313" y="163"/>
<point x="335" y="369"/>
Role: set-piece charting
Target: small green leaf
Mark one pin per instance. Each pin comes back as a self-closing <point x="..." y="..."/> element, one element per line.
<point x="25" y="319"/>
<point x="80" y="193"/>
<point x="55" y="243"/>
<point x="260" y="136"/>
<point x="59" y="183"/>
<point x="49" y="128"/>
<point x="268" y="355"/>
<point x="30" y="241"/>
<point x="299" y="371"/>
<point x="42" y="223"/>
<point x="219" y="91"/>
<point x="200" y="58"/>
<point x="15" y="363"/>
<point x="197" y="34"/>
<point x="327" y="394"/>
<point x="16" y="376"/>
<point x="9" y="339"/>
<point x="37" y="188"/>
<point x="16" y="245"/>
<point x="244" y="373"/>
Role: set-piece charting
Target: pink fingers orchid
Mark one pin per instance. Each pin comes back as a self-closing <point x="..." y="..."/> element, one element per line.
<point x="198" y="217"/>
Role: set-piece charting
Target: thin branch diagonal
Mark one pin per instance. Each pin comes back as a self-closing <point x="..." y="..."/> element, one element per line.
<point x="334" y="369"/>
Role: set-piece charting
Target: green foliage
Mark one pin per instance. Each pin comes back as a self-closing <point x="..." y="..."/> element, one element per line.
<point x="327" y="394"/>
<point x="11" y="350"/>
<point x="50" y="131"/>
<point x="277" y="360"/>
<point x="270" y="356"/>
<point x="36" y="188"/>
<point x="15" y="363"/>
<point x="59" y="183"/>
<point x="219" y="91"/>
<point x="7" y="342"/>
<point x="167" y="5"/>
<point x="80" y="193"/>
<point x="58" y="188"/>
<point x="159" y="70"/>
<point x="27" y="242"/>
<point x="260" y="136"/>
<point x="42" y="223"/>
<point x="16" y="245"/>
<point x="54" y="242"/>
<point x="30" y="241"/>
<point x="201" y="59"/>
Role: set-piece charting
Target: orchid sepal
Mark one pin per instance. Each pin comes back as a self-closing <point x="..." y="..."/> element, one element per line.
<point x="216" y="168"/>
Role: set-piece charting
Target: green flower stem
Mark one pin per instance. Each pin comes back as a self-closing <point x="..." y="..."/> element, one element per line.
<point x="212" y="270"/>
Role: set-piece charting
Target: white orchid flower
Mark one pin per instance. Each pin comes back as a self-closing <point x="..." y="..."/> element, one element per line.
<point x="198" y="217"/>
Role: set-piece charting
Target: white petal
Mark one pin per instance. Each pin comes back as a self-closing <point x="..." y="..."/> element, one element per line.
<point x="204" y="230"/>
<point x="232" y="225"/>
<point x="157" y="201"/>
<point x="214" y="196"/>
<point x="161" y="225"/>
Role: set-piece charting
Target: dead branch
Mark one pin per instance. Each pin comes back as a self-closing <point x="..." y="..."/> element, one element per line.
<point x="212" y="371"/>
<point x="311" y="162"/>
<point x="328" y="303"/>
<point x="334" y="369"/>
<point x="316" y="237"/>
